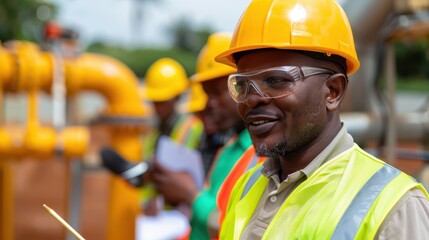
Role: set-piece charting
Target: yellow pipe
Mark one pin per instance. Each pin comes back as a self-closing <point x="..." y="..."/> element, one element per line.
<point x="124" y="200"/>
<point x="110" y="78"/>
<point x="6" y="191"/>
<point x="8" y="67"/>
<point x="87" y="72"/>
<point x="6" y="200"/>
<point x="43" y="142"/>
<point x="31" y="68"/>
<point x="33" y="107"/>
<point x="119" y="86"/>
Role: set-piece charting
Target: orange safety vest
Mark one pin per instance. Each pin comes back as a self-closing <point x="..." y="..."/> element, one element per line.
<point x="247" y="161"/>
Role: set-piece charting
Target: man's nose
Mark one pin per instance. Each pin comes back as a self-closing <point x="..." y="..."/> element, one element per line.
<point x="254" y="88"/>
<point x="254" y="95"/>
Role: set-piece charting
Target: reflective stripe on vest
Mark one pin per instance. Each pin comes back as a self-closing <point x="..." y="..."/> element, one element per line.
<point x="247" y="161"/>
<point x="358" y="209"/>
<point x="253" y="162"/>
<point x="255" y="175"/>
<point x="187" y="130"/>
<point x="326" y="199"/>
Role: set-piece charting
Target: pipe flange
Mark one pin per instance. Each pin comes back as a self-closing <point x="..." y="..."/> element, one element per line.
<point x="24" y="54"/>
<point x="13" y="84"/>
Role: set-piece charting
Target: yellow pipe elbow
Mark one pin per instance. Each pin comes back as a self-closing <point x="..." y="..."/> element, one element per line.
<point x="109" y="77"/>
<point x="119" y="86"/>
<point x="25" y="68"/>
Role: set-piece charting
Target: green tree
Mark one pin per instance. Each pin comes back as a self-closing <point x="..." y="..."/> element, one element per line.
<point x="139" y="59"/>
<point x="412" y="59"/>
<point x="24" y="19"/>
<point x="187" y="37"/>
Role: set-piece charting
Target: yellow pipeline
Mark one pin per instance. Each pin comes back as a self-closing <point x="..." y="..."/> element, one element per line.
<point x="87" y="72"/>
<point x="26" y="69"/>
<point x="96" y="73"/>
<point x="6" y="191"/>
<point x="29" y="69"/>
<point x="110" y="78"/>
<point x="32" y="140"/>
<point x="7" y="67"/>
<point x="124" y="199"/>
<point x="119" y="86"/>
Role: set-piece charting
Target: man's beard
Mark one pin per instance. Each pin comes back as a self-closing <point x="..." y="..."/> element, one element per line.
<point x="276" y="152"/>
<point x="288" y="145"/>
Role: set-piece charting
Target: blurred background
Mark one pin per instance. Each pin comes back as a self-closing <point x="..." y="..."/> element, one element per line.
<point x="71" y="73"/>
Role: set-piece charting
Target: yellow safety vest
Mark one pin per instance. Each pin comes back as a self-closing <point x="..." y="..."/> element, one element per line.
<point x="348" y="197"/>
<point x="187" y="130"/>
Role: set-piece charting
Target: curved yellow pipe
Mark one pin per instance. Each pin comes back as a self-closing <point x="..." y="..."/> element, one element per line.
<point x="109" y="77"/>
<point x="120" y="87"/>
<point x="27" y="68"/>
<point x="24" y="68"/>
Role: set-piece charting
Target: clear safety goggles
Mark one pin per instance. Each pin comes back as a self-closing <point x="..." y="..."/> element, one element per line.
<point x="270" y="82"/>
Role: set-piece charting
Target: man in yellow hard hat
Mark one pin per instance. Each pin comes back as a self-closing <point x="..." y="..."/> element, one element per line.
<point x="164" y="85"/>
<point x="219" y="116"/>
<point x="293" y="59"/>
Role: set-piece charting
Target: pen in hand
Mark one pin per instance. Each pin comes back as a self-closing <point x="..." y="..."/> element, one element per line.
<point x="63" y="222"/>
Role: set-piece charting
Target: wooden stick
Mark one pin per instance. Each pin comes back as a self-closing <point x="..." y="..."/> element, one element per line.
<point x="64" y="223"/>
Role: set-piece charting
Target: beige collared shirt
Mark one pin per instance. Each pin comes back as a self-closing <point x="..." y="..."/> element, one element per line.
<point x="409" y="219"/>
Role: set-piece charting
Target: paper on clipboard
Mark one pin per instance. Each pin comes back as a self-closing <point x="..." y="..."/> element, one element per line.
<point x="170" y="224"/>
<point x="180" y="158"/>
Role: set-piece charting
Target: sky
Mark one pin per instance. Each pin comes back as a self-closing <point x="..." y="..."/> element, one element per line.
<point x="111" y="20"/>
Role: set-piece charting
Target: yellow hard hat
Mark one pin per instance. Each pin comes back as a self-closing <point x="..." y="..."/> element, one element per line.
<point x="165" y="79"/>
<point x="307" y="25"/>
<point x="207" y="67"/>
<point x="196" y="100"/>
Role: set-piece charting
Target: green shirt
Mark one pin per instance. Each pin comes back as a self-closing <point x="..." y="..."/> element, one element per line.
<point x="204" y="207"/>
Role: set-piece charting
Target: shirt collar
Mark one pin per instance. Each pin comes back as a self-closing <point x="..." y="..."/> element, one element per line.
<point x="339" y="144"/>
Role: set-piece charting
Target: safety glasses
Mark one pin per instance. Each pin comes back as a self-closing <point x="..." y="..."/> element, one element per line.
<point x="270" y="82"/>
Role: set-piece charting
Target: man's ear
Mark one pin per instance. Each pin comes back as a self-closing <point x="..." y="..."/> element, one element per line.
<point x="337" y="85"/>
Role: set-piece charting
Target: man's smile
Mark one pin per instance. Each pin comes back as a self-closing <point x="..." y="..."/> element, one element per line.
<point x="258" y="124"/>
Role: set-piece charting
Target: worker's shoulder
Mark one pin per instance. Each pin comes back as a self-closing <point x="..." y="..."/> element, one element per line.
<point x="408" y="217"/>
<point x="415" y="196"/>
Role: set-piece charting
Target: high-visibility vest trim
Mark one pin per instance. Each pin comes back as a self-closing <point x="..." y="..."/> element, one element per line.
<point x="358" y="209"/>
<point x="187" y="130"/>
<point x="348" y="197"/>
<point x="256" y="174"/>
<point x="247" y="161"/>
